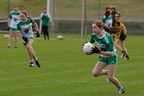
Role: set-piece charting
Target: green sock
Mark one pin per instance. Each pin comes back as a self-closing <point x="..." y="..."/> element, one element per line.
<point x="31" y="60"/>
<point x="106" y="72"/>
<point x="120" y="87"/>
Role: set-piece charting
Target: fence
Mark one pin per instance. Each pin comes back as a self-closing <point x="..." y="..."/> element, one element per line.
<point x="67" y="14"/>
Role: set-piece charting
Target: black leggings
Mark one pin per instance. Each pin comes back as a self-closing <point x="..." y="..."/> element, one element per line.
<point x="45" y="31"/>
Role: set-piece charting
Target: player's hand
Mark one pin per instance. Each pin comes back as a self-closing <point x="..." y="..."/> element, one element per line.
<point x="95" y="50"/>
<point x="37" y="34"/>
<point x="82" y="46"/>
<point x="25" y="39"/>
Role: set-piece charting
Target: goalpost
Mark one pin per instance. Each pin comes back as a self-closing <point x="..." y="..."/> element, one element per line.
<point x="84" y="21"/>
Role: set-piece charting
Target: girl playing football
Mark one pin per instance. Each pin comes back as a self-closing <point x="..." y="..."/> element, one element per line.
<point x="121" y="36"/>
<point x="24" y="30"/>
<point x="107" y="53"/>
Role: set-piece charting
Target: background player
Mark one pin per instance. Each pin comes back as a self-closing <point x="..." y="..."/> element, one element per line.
<point x="12" y="21"/>
<point x="45" y="17"/>
<point x="121" y="36"/>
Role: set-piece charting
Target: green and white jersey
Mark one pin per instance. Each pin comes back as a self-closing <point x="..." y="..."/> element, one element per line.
<point x="105" y="43"/>
<point x="25" y="28"/>
<point x="45" y="17"/>
<point x="107" y="21"/>
<point x="14" y="19"/>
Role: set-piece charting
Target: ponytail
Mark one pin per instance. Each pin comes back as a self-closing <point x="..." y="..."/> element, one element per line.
<point x="110" y="30"/>
<point x="113" y="29"/>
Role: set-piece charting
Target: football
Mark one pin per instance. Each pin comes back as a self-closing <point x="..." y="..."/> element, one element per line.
<point x="60" y="37"/>
<point x="87" y="48"/>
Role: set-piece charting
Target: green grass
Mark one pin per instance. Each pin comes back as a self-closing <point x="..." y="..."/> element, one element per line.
<point x="66" y="70"/>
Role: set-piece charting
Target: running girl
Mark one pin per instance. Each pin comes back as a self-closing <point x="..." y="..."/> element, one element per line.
<point x="108" y="56"/>
<point x="24" y="30"/>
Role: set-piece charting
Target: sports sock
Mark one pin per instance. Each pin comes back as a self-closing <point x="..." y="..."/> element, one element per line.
<point x="106" y="72"/>
<point x="120" y="87"/>
<point x="31" y="60"/>
<point x="36" y="59"/>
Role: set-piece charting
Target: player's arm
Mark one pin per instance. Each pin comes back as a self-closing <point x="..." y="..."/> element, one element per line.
<point x="9" y="22"/>
<point x="107" y="53"/>
<point x="18" y="31"/>
<point x="36" y="27"/>
<point x="96" y="50"/>
<point x="37" y="30"/>
<point x="19" y="34"/>
<point x="124" y="28"/>
<point x="103" y="19"/>
<point x="125" y="31"/>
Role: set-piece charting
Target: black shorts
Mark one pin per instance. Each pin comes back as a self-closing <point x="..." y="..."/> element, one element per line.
<point x="122" y="36"/>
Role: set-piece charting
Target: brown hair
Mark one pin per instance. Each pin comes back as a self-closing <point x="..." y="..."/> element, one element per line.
<point x="15" y="7"/>
<point x="110" y="30"/>
<point x="114" y="9"/>
<point x="108" y="7"/>
<point x="118" y="14"/>
<point x="26" y="14"/>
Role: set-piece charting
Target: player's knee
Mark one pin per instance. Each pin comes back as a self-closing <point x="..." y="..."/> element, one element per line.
<point x="95" y="74"/>
<point x="110" y="78"/>
<point x="28" y="47"/>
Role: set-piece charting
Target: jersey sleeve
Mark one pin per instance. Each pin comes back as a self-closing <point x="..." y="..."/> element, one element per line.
<point x="91" y="39"/>
<point x="122" y="25"/>
<point x="18" y="28"/>
<point x="103" y="19"/>
<point x="10" y="16"/>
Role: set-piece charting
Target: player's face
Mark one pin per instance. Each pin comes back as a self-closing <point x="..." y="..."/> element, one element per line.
<point x="44" y="10"/>
<point x="22" y="17"/>
<point x="15" y="9"/>
<point x="117" y="17"/>
<point x="95" y="29"/>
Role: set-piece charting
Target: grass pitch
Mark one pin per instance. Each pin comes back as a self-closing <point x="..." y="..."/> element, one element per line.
<point x="66" y="70"/>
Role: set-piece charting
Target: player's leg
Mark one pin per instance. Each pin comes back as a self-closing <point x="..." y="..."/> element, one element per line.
<point x="16" y="39"/>
<point x="98" y="69"/>
<point x="47" y="32"/>
<point x="111" y="72"/>
<point x="44" y="32"/>
<point x="117" y="41"/>
<point x="30" y="51"/>
<point x="125" y="49"/>
<point x="10" y="38"/>
<point x="35" y="58"/>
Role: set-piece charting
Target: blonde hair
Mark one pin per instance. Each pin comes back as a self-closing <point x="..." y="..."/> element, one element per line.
<point x="110" y="30"/>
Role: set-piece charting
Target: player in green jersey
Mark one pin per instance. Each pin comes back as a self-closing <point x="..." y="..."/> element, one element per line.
<point x="108" y="56"/>
<point x="45" y="17"/>
<point x="24" y="30"/>
<point x="12" y="21"/>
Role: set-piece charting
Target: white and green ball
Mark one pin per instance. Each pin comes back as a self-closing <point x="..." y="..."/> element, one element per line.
<point x="87" y="48"/>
